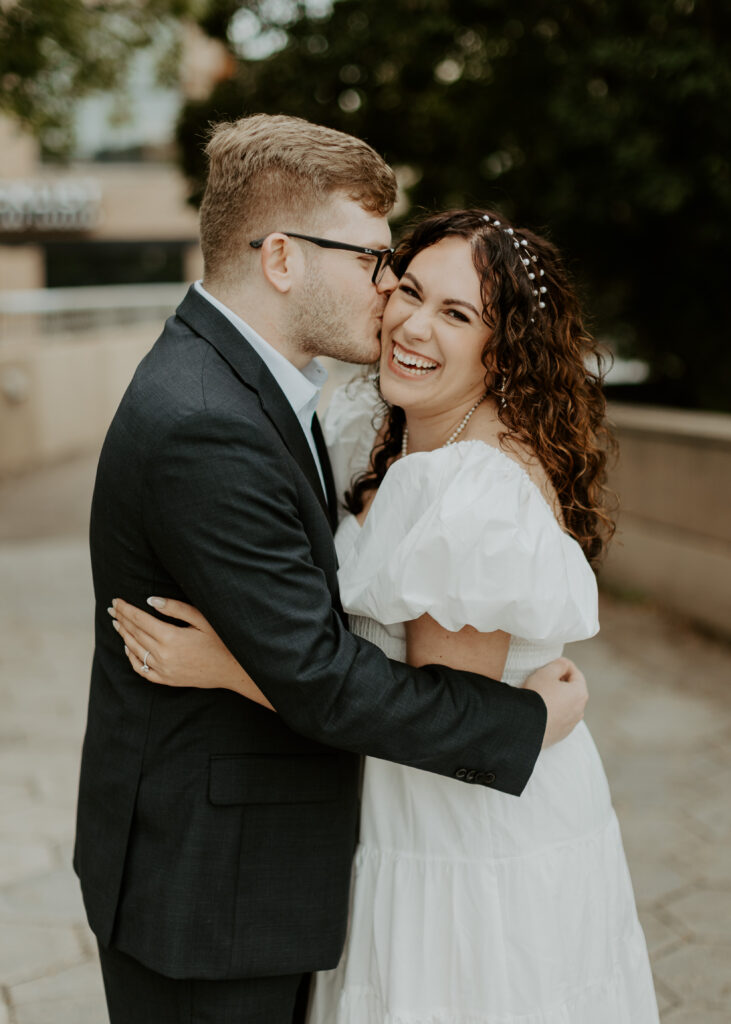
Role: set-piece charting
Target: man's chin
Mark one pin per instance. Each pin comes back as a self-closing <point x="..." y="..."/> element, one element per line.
<point x="366" y="356"/>
<point x="350" y="349"/>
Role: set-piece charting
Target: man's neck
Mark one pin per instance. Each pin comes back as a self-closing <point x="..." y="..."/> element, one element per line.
<point x="257" y="316"/>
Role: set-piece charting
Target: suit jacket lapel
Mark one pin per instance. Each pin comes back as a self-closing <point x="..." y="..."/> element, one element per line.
<point x="219" y="332"/>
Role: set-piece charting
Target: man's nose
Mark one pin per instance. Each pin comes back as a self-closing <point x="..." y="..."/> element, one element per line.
<point x="388" y="283"/>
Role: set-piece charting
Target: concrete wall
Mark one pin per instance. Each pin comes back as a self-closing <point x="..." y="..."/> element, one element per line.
<point x="674" y="538"/>
<point x="57" y="399"/>
<point x="138" y="201"/>
<point x="22" y="266"/>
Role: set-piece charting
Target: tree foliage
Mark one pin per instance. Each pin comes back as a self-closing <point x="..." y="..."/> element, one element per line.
<point x="53" y="52"/>
<point x="605" y="122"/>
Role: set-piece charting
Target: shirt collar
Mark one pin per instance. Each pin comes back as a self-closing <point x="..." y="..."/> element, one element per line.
<point x="301" y="387"/>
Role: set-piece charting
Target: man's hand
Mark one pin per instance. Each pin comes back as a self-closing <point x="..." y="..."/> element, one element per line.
<point x="563" y="688"/>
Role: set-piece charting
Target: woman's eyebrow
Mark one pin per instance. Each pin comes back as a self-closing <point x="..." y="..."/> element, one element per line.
<point x="461" y="302"/>
<point x="446" y="302"/>
<point x="416" y="281"/>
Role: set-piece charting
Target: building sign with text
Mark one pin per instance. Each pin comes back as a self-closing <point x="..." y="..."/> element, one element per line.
<point x="67" y="204"/>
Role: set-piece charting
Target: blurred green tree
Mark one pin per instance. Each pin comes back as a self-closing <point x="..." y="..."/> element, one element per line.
<point x="53" y="52"/>
<point x="609" y="121"/>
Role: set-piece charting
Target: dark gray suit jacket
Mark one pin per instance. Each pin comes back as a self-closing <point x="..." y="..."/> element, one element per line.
<point x="215" y="837"/>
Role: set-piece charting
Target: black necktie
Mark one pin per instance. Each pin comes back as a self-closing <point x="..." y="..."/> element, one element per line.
<point x="327" y="473"/>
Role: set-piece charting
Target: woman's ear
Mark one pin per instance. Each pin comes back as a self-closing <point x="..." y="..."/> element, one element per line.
<point x="280" y="261"/>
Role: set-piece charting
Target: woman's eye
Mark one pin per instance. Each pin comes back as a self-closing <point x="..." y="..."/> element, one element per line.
<point x="408" y="290"/>
<point x="456" y="315"/>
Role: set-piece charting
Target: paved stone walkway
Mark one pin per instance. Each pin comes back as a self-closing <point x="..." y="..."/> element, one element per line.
<point x="660" y="711"/>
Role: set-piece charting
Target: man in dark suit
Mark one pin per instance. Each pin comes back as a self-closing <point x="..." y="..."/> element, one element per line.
<point x="214" y="838"/>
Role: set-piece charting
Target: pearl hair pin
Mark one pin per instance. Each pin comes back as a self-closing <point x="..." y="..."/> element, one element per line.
<point x="527" y="258"/>
<point x="452" y="437"/>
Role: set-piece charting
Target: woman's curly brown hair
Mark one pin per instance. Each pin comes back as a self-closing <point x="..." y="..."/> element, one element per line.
<point x="542" y="367"/>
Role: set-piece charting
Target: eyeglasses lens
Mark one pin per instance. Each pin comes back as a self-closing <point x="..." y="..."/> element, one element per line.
<point x="384" y="262"/>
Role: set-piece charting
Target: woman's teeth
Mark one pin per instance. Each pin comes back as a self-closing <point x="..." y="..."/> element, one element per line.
<point x="411" y="363"/>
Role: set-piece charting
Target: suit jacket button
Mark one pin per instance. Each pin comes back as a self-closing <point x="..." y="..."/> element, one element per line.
<point x="489" y="777"/>
<point x="471" y="775"/>
<point x="460" y="773"/>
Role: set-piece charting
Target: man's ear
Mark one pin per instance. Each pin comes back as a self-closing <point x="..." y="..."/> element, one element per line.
<point x="280" y="261"/>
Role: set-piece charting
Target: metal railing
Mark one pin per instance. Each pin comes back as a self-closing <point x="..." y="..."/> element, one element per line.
<point x="44" y="313"/>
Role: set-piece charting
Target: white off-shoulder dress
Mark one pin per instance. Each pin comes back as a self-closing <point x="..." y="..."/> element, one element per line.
<point x="470" y="906"/>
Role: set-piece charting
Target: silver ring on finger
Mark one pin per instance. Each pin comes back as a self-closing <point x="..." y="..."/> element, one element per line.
<point x="145" y="666"/>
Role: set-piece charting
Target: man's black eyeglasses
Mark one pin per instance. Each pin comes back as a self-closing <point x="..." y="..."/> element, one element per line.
<point x="383" y="256"/>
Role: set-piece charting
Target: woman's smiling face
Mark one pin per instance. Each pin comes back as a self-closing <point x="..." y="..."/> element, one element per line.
<point x="433" y="332"/>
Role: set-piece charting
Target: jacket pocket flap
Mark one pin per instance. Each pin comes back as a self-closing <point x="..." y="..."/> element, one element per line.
<point x="273" y="779"/>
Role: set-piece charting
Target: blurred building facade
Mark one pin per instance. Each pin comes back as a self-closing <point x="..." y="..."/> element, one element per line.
<point x="94" y="255"/>
<point x="98" y="221"/>
<point x="118" y="212"/>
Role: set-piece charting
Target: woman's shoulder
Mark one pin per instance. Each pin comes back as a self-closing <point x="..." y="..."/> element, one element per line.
<point x="464" y="473"/>
<point x="489" y="446"/>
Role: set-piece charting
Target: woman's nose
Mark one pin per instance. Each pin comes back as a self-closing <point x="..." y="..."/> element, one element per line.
<point x="417" y="326"/>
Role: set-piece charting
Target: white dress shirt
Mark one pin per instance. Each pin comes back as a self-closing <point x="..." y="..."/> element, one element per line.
<point x="301" y="387"/>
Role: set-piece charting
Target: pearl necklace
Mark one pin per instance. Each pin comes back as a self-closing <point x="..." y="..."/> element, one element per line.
<point x="452" y="437"/>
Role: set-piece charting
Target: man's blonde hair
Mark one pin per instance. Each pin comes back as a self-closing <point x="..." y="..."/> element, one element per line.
<point x="271" y="173"/>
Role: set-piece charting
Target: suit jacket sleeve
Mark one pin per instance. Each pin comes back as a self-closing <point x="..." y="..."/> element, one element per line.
<point x="221" y="511"/>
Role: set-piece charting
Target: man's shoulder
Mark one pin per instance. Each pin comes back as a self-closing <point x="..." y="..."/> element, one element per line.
<point x="181" y="385"/>
<point x="183" y="375"/>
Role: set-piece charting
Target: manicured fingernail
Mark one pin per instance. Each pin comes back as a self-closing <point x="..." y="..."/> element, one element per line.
<point x="112" y="612"/>
<point x="115" y="624"/>
<point x="126" y="649"/>
<point x="157" y="602"/>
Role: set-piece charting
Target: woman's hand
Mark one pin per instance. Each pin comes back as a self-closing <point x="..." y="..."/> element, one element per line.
<point x="176" y="656"/>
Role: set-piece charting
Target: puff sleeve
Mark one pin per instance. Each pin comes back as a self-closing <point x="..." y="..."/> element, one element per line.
<point x="463" y="534"/>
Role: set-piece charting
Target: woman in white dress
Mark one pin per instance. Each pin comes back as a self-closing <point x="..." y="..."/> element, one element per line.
<point x="475" y="512"/>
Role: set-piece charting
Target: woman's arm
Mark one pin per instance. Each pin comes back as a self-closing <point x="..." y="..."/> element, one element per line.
<point x="428" y="643"/>
<point x="180" y="656"/>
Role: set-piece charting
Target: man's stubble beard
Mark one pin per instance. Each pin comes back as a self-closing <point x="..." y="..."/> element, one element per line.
<point x="322" y="324"/>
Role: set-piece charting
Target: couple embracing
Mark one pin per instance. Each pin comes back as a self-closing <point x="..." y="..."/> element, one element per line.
<point x="241" y="863"/>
